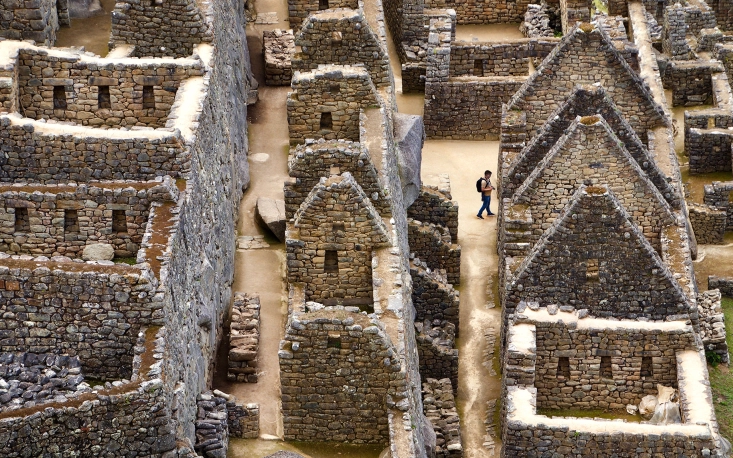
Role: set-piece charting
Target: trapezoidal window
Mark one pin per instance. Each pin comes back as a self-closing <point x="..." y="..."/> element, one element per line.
<point x="331" y="262"/>
<point x="22" y="223"/>
<point x="606" y="369"/>
<point x="563" y="367"/>
<point x="119" y="221"/>
<point x="478" y="67"/>
<point x="333" y="342"/>
<point x="71" y="221"/>
<point x="326" y="120"/>
<point x="103" y="98"/>
<point x="647" y="366"/>
<point x="59" y="97"/>
<point x="148" y="97"/>
<point x="322" y="4"/>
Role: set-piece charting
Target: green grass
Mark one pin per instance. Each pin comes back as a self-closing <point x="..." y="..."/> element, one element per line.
<point x="601" y="6"/>
<point x="130" y="261"/>
<point x="721" y="380"/>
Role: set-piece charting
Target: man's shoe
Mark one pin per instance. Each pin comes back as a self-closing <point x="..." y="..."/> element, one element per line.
<point x="491" y="214"/>
<point x="479" y="217"/>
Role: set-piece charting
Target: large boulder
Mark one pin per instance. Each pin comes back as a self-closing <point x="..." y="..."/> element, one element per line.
<point x="98" y="252"/>
<point x="409" y="132"/>
<point x="270" y="214"/>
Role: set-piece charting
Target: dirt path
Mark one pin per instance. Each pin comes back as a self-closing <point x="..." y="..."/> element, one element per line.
<point x="465" y="162"/>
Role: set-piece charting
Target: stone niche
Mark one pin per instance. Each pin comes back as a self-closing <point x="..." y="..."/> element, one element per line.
<point x="62" y="220"/>
<point x="569" y="360"/>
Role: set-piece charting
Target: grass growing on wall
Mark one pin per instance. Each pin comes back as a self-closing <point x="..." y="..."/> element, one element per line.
<point x="721" y="380"/>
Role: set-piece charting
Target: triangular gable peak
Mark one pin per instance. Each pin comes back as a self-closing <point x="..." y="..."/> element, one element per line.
<point x="595" y="257"/>
<point x="590" y="153"/>
<point x="339" y="201"/>
<point x="586" y="56"/>
<point x="584" y="101"/>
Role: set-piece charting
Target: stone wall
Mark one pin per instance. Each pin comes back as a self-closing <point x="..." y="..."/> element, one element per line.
<point x="719" y="195"/>
<point x="440" y="408"/>
<point x="725" y="285"/>
<point x="299" y="10"/>
<point x="432" y="244"/>
<point x="712" y="323"/>
<point x="343" y="37"/>
<point x="161" y="29"/>
<point x="572" y="12"/>
<point x="212" y="428"/>
<point x="674" y="35"/>
<point x="690" y="81"/>
<point x="435" y="206"/>
<point x="329" y="250"/>
<point x="310" y="162"/>
<point x="326" y="103"/>
<point x="61" y="221"/>
<point x="68" y="88"/>
<point x="48" y="307"/>
<point x="278" y="47"/>
<point x="44" y="154"/>
<point x="432" y="296"/>
<point x="593" y="385"/>
<point x="33" y="20"/>
<point x="244" y="339"/>
<point x="436" y="350"/>
<point x="709" y="150"/>
<point x="724" y="13"/>
<point x="708" y="223"/>
<point x="338" y="373"/>
<point x="480" y="12"/>
<point x="244" y="420"/>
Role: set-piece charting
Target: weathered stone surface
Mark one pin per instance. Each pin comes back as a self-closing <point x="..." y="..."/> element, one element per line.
<point x="98" y="252"/>
<point x="270" y="214"/>
<point x="410" y="137"/>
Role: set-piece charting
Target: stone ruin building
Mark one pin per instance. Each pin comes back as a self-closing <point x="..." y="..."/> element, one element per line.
<point x="121" y="179"/>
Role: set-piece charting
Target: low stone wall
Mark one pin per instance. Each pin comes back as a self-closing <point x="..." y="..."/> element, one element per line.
<point x="725" y="285"/>
<point x="278" y="47"/>
<point x="47" y="154"/>
<point x="708" y="223"/>
<point x="244" y="420"/>
<point x="709" y="38"/>
<point x="690" y="81"/>
<point x="325" y="395"/>
<point x="709" y="150"/>
<point x="712" y="323"/>
<point x="62" y="220"/>
<point x="68" y="88"/>
<point x="94" y="312"/>
<point x="440" y="408"/>
<point x="432" y="244"/>
<point x="432" y="296"/>
<point x="480" y="12"/>
<point x="244" y="339"/>
<point x="437" y="207"/>
<point x="436" y="350"/>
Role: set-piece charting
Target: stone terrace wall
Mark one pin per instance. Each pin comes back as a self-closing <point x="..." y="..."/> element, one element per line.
<point x="93" y="312"/>
<point x="32" y="20"/>
<point x="481" y="12"/>
<point x="38" y="153"/>
<point x="435" y="206"/>
<point x="432" y="244"/>
<point x="339" y="92"/>
<point x="47" y="234"/>
<point x="344" y="37"/>
<point x="708" y="223"/>
<point x="432" y="296"/>
<point x="588" y="387"/>
<point x="725" y="285"/>
<point x="299" y="10"/>
<point x="40" y="71"/>
<point x="310" y="162"/>
<point x="337" y="371"/>
<point x="160" y="28"/>
<point x="719" y="195"/>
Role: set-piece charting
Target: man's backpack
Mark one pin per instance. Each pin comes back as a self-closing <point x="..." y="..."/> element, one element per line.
<point x="479" y="185"/>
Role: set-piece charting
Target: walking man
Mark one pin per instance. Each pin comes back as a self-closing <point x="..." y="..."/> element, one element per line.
<point x="486" y="189"/>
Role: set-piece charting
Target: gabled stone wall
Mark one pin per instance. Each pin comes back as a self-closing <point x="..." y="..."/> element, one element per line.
<point x="161" y="28"/>
<point x="326" y="103"/>
<point x="45" y="79"/>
